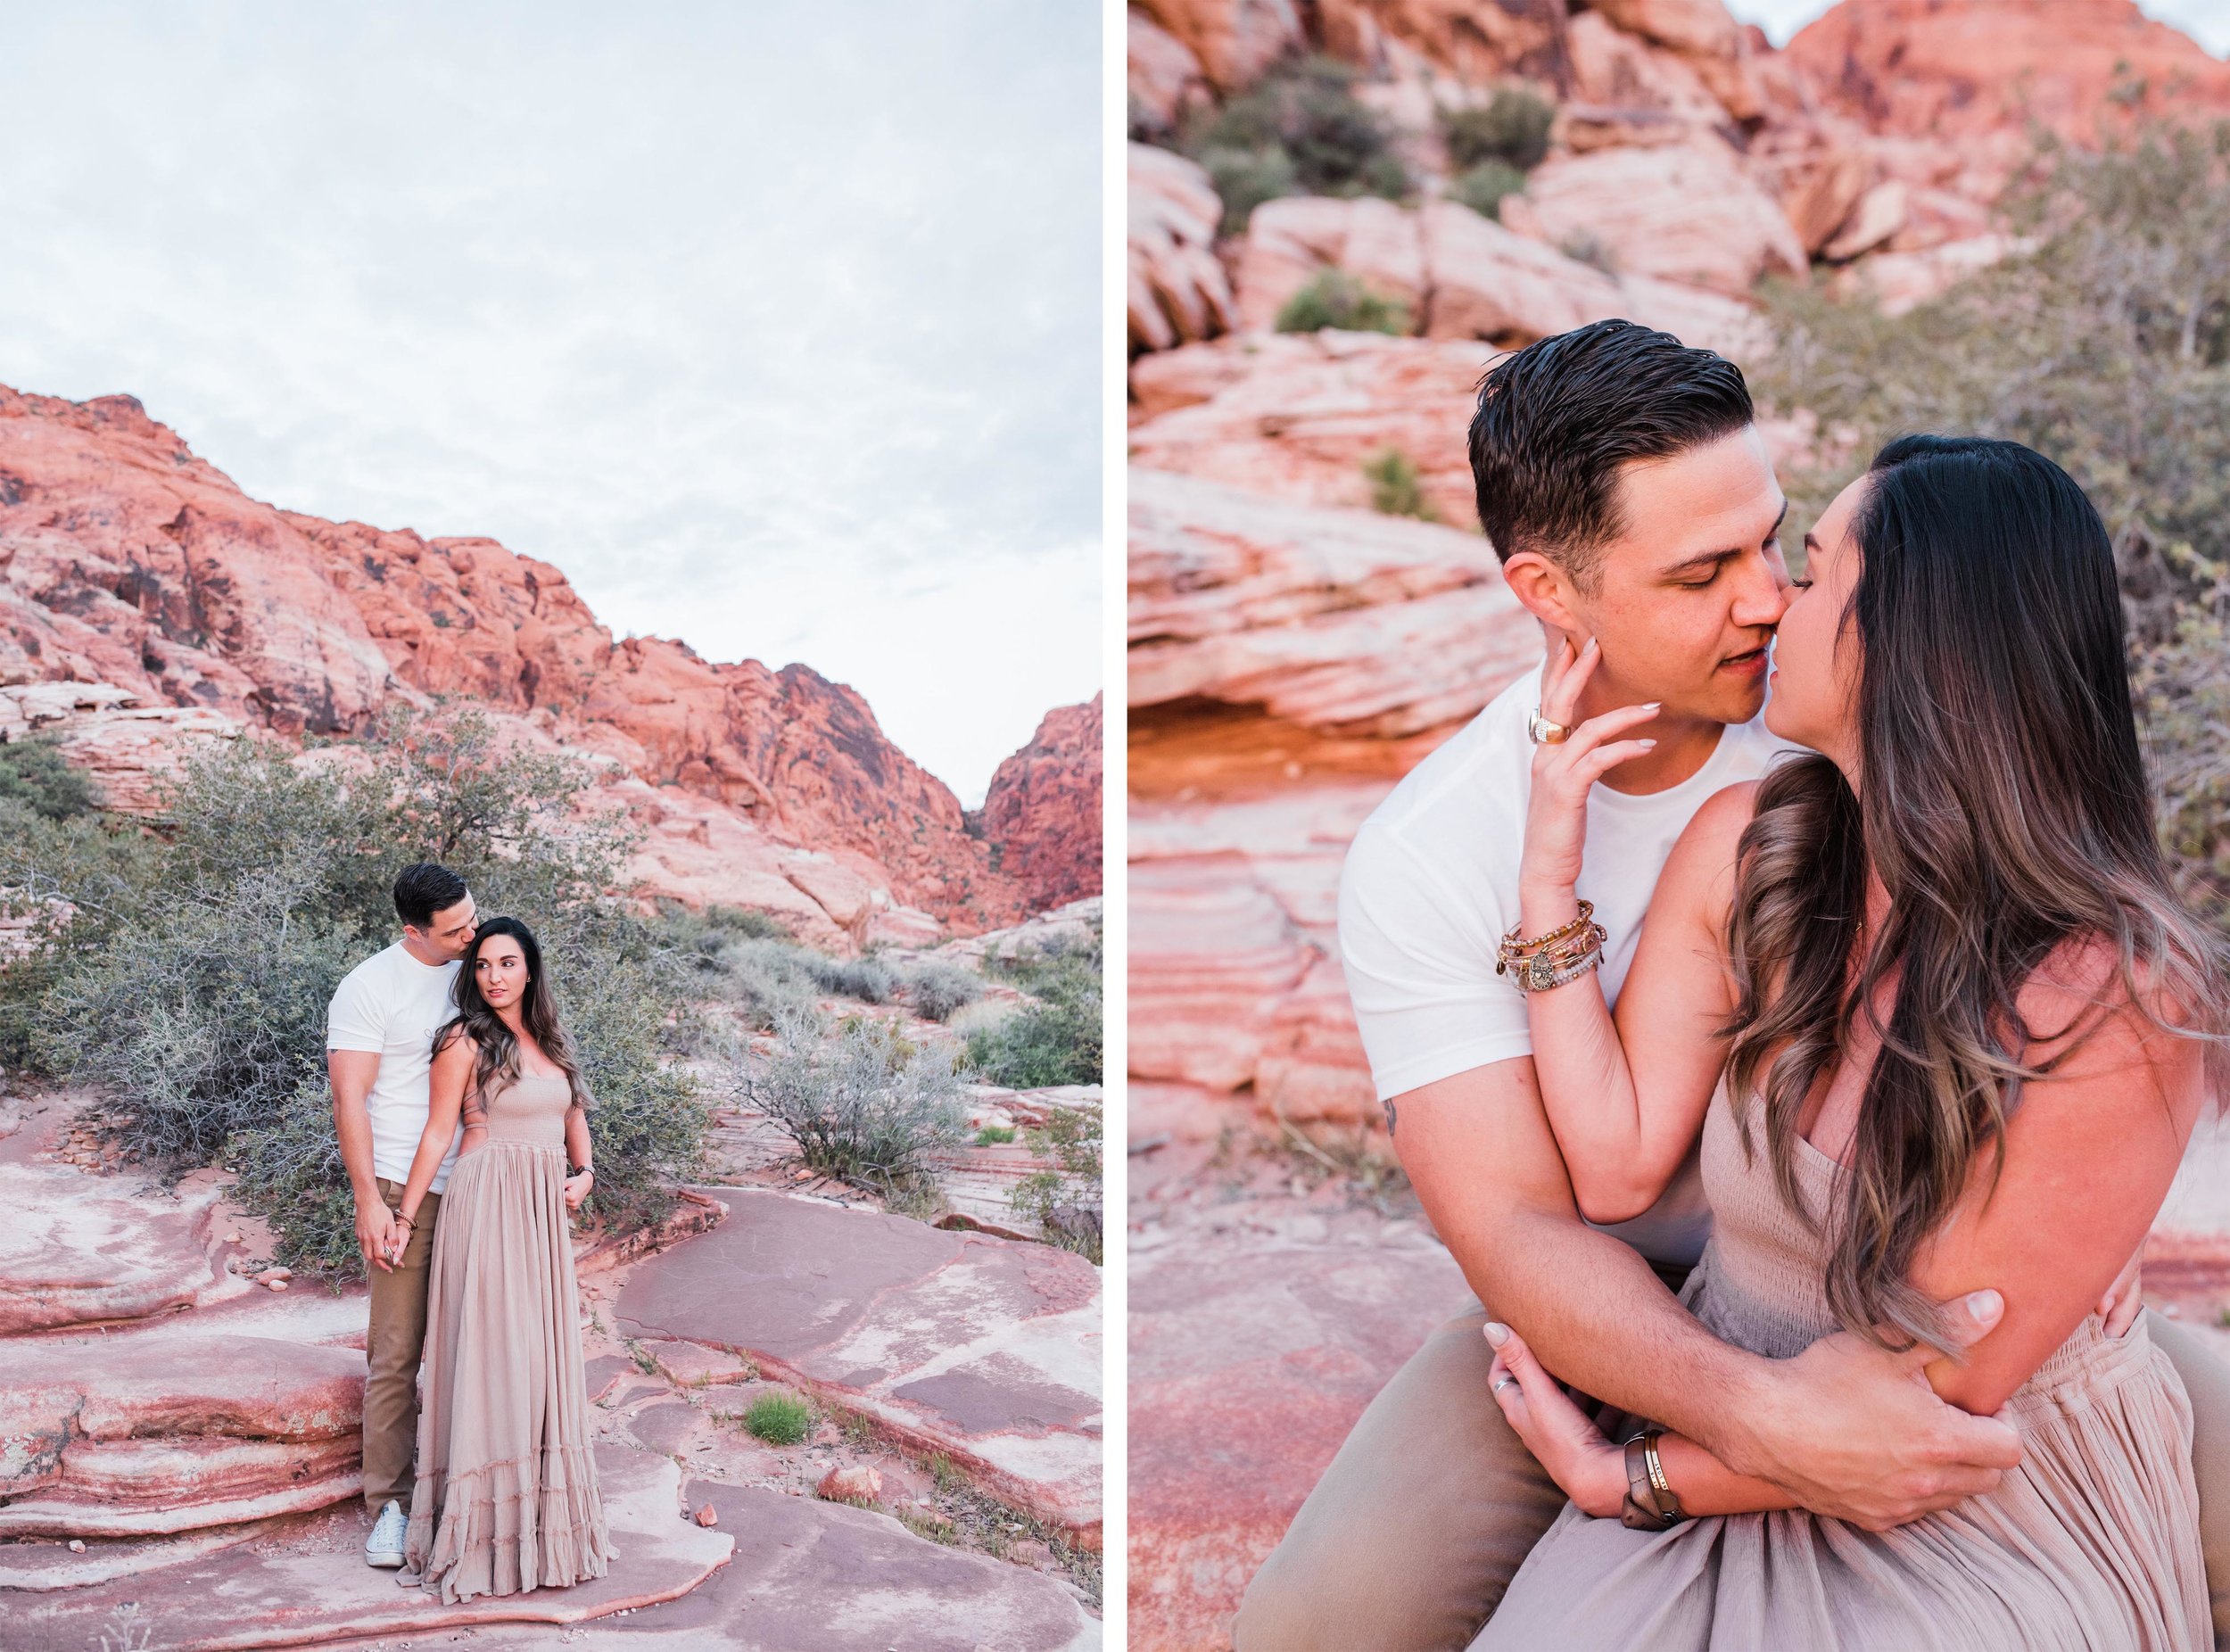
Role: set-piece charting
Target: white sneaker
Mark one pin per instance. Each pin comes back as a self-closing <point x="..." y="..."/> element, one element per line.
<point x="383" y="1547"/>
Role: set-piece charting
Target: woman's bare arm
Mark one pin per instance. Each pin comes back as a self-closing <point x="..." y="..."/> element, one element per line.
<point x="1624" y="1129"/>
<point x="445" y="1098"/>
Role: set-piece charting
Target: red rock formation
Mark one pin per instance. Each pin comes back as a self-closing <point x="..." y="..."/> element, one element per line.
<point x="126" y="560"/>
<point x="1982" y="68"/>
<point x="1042" y="815"/>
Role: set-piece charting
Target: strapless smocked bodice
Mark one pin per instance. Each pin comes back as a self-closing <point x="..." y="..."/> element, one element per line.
<point x="531" y="1111"/>
<point x="1762" y="1284"/>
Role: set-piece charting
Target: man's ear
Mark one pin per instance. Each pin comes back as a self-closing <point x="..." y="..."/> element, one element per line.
<point x="1545" y="589"/>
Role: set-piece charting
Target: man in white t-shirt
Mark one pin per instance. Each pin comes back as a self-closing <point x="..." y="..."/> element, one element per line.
<point x="1622" y="478"/>
<point x="379" y="1048"/>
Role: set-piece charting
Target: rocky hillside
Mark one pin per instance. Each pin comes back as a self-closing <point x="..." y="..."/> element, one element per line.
<point x="179" y="607"/>
<point x="1042" y="813"/>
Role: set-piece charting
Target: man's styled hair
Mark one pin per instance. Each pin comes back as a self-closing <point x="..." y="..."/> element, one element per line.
<point x="1558" y="418"/>
<point x="425" y="888"/>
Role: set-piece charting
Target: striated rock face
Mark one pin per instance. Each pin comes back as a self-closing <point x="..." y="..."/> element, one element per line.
<point x="1988" y="68"/>
<point x="1342" y="620"/>
<point x="125" y="561"/>
<point x="1234" y="41"/>
<point x="1177" y="288"/>
<point x="1042" y="812"/>
<point x="1682" y="212"/>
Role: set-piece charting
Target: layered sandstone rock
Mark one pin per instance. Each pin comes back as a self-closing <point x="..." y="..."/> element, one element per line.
<point x="1232" y="40"/>
<point x="1042" y="812"/>
<point x="1166" y="83"/>
<point x="1177" y="288"/>
<point x="130" y="567"/>
<point x="1473" y="42"/>
<point x="1682" y="212"/>
<point x="1340" y="620"/>
<point x="1987" y="68"/>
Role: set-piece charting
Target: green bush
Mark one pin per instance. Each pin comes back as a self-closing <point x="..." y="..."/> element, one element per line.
<point x="1065" y="1200"/>
<point x="995" y="1135"/>
<point x="1335" y="299"/>
<point x="1511" y="128"/>
<point x="1394" y="488"/>
<point x="779" y="1419"/>
<point x="1056" y="1038"/>
<point x="1299" y="130"/>
<point x="935" y="989"/>
<point x="2104" y="344"/>
<point x="1482" y="187"/>
<point x="34" y="774"/>
<point x="859" y="1101"/>
<point x="191" y="984"/>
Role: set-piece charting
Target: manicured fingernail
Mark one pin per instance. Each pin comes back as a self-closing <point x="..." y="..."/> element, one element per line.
<point x="1497" y="1333"/>
<point x="1985" y="1306"/>
<point x="1647" y="745"/>
<point x="1651" y="705"/>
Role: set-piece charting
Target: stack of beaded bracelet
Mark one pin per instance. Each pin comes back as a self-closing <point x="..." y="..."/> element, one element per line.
<point x="1551" y="960"/>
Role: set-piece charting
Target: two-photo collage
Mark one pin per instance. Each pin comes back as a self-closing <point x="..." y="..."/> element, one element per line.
<point x="732" y="921"/>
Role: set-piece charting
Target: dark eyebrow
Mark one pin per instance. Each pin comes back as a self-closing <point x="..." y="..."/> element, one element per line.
<point x="1705" y="559"/>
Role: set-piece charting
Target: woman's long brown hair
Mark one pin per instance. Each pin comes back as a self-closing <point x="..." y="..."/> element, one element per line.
<point x="496" y="1049"/>
<point x="2003" y="805"/>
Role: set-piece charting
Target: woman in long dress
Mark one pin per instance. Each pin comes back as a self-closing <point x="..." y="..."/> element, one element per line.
<point x="1931" y="1002"/>
<point x="506" y="1498"/>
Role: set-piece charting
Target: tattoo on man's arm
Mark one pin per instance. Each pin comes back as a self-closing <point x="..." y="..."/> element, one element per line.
<point x="1389" y="1106"/>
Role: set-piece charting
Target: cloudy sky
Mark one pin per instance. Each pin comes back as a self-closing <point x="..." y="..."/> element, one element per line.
<point x="2207" y="21"/>
<point x="775" y="326"/>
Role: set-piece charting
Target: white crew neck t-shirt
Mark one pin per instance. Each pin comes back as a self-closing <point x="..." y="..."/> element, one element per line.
<point x="1430" y="888"/>
<point x="392" y="1005"/>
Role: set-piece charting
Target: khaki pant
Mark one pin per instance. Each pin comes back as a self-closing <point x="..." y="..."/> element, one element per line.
<point x="1417" y="1526"/>
<point x="391" y="1346"/>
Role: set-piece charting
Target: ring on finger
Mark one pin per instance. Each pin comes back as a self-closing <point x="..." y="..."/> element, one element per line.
<point x="1542" y="731"/>
<point x="1503" y="1382"/>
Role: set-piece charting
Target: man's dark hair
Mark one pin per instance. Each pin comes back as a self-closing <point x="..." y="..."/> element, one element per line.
<point x="425" y="888"/>
<point x="1558" y="418"/>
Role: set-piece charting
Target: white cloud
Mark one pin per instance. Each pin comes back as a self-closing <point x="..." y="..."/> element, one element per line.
<point x="775" y="327"/>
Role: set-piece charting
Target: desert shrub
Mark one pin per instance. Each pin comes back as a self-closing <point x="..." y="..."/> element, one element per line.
<point x="995" y="1135"/>
<point x="859" y="1101"/>
<point x="768" y="979"/>
<point x="1332" y="298"/>
<point x="1299" y="130"/>
<point x="779" y="1419"/>
<point x="1512" y="129"/>
<point x="1482" y="187"/>
<point x="2104" y="343"/>
<point x="1054" y="1039"/>
<point x="936" y="988"/>
<point x="190" y="982"/>
<point x="1394" y="489"/>
<point x="34" y="774"/>
<point x="870" y="980"/>
<point x="1065" y="1199"/>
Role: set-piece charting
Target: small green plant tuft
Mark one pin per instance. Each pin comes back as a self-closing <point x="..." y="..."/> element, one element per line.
<point x="1512" y="128"/>
<point x="1332" y="298"/>
<point x="1394" y="488"/>
<point x="35" y="773"/>
<point x="779" y="1419"/>
<point x="995" y="1135"/>
<point x="1484" y="188"/>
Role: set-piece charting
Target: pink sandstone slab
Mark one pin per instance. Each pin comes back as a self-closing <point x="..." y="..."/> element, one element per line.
<point x="269" y="1594"/>
<point x="80" y="1249"/>
<point x="810" y="1576"/>
<point x="1249" y="1363"/>
<point x="985" y="1349"/>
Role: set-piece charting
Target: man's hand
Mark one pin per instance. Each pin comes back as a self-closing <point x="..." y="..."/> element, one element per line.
<point x="1855" y="1431"/>
<point x="375" y="1234"/>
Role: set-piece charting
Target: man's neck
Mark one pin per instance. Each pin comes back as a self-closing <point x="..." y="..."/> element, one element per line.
<point x="425" y="950"/>
<point x="1684" y="744"/>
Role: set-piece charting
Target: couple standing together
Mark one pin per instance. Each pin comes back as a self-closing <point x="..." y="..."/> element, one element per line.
<point x="463" y="1123"/>
<point x="1800" y="1074"/>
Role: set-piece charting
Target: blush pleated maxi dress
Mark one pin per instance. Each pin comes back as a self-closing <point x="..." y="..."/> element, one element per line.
<point x="2091" y="1545"/>
<point x="506" y="1498"/>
